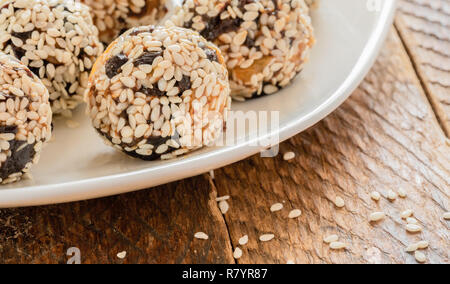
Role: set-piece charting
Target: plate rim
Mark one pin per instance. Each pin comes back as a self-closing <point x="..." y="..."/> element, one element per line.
<point x="114" y="184"/>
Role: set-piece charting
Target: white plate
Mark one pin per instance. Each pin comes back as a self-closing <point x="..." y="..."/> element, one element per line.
<point x="77" y="165"/>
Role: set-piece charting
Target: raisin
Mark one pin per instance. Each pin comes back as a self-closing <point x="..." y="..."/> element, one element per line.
<point x="8" y="129"/>
<point x="216" y="27"/>
<point x="18" y="51"/>
<point x="18" y="159"/>
<point x="113" y="64"/>
<point x="184" y="84"/>
<point x="23" y="36"/>
<point x="210" y="53"/>
<point x="249" y="42"/>
<point x="147" y="58"/>
<point x="152" y="91"/>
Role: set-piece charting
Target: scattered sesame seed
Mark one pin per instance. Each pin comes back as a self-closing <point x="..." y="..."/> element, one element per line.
<point x="122" y="254"/>
<point x="412" y="228"/>
<point x="201" y="235"/>
<point x="266" y="237"/>
<point x="288" y="156"/>
<point x="237" y="253"/>
<point x="211" y="173"/>
<point x="243" y="240"/>
<point x="375" y="195"/>
<point x="222" y="198"/>
<point x="331" y="239"/>
<point x="295" y="213"/>
<point x="420" y="257"/>
<point x="223" y="205"/>
<point x="447" y="216"/>
<point x="407" y="213"/>
<point x="402" y="193"/>
<point x="337" y="245"/>
<point x="412" y="248"/>
<point x="376" y="216"/>
<point x="422" y="245"/>
<point x="339" y="202"/>
<point x="392" y="196"/>
<point x="276" y="207"/>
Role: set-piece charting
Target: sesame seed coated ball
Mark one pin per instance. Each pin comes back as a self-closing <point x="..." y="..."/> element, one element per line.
<point x="57" y="40"/>
<point x="113" y="16"/>
<point x="265" y="43"/>
<point x="25" y="118"/>
<point x="159" y="92"/>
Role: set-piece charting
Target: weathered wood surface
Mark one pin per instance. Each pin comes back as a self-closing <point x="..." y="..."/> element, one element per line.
<point x="425" y="28"/>
<point x="384" y="137"/>
<point x="152" y="226"/>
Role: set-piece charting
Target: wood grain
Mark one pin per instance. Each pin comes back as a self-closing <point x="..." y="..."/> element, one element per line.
<point x="424" y="25"/>
<point x="152" y="226"/>
<point x="384" y="138"/>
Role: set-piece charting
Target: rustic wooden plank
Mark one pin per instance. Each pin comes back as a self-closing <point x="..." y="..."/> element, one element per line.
<point x="152" y="226"/>
<point x="424" y="26"/>
<point x="385" y="137"/>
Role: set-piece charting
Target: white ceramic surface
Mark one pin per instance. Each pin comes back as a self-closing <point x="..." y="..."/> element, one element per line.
<point x="77" y="165"/>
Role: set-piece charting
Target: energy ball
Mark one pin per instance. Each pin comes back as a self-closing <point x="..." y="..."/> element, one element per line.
<point x="113" y="16"/>
<point x="265" y="43"/>
<point x="25" y="118"/>
<point x="57" y="40"/>
<point x="159" y="92"/>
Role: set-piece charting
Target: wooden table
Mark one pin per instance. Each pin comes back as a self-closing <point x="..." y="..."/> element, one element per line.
<point x="391" y="134"/>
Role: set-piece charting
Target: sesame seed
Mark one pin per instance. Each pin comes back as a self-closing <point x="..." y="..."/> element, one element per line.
<point x="392" y="196"/>
<point x="422" y="245"/>
<point x="288" y="156"/>
<point x="331" y="239"/>
<point x="237" y="253"/>
<point x="266" y="237"/>
<point x="338" y="245"/>
<point x="339" y="202"/>
<point x="376" y="216"/>
<point x="412" y="248"/>
<point x="222" y="198"/>
<point x="420" y="257"/>
<point x="407" y="213"/>
<point x="276" y="207"/>
<point x="201" y="235"/>
<point x="446" y="216"/>
<point x="402" y="193"/>
<point x="223" y="205"/>
<point x="295" y="213"/>
<point x="243" y="240"/>
<point x="122" y="254"/>
<point x="375" y="195"/>
<point x="413" y="228"/>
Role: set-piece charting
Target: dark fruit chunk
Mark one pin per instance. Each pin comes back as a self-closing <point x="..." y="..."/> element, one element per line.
<point x="210" y="53"/>
<point x="113" y="64"/>
<point x="18" y="159"/>
<point x="23" y="36"/>
<point x="152" y="91"/>
<point x="18" y="52"/>
<point x="216" y="27"/>
<point x="147" y="58"/>
<point x="184" y="84"/>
